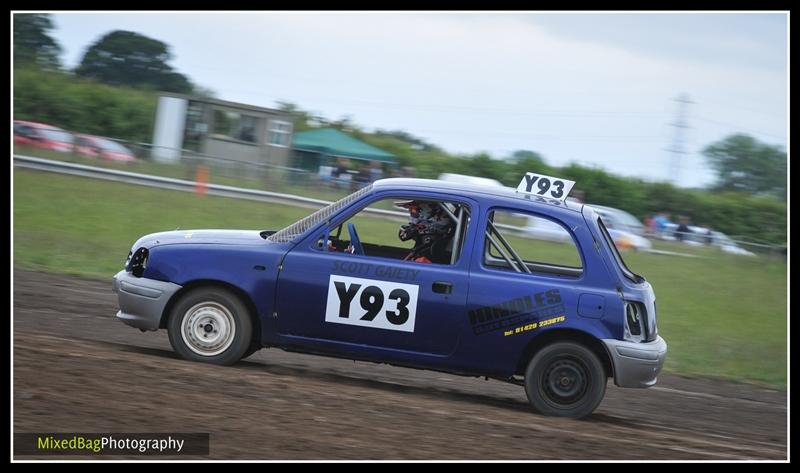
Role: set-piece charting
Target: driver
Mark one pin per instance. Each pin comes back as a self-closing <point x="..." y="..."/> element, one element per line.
<point x="430" y="228"/>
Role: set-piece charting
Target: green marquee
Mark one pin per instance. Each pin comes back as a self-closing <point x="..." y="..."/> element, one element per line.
<point x="333" y="142"/>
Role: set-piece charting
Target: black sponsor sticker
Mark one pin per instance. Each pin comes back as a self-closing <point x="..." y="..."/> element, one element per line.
<point x="514" y="312"/>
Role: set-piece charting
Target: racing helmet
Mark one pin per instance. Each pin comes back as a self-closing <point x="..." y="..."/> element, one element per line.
<point x="427" y="220"/>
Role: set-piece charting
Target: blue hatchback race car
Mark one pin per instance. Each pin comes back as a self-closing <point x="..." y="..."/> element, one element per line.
<point x="457" y="289"/>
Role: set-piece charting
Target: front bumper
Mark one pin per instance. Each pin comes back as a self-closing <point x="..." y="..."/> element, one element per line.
<point x="636" y="365"/>
<point x="141" y="300"/>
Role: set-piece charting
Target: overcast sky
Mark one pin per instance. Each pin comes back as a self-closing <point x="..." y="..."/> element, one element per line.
<point x="597" y="89"/>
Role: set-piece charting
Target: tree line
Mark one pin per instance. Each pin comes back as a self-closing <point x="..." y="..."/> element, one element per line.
<point x="122" y="58"/>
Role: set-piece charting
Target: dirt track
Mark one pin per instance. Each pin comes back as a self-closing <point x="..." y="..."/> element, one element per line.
<point x="78" y="369"/>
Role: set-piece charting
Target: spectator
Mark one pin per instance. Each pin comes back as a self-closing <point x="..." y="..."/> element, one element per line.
<point x="708" y="237"/>
<point x="661" y="221"/>
<point x="339" y="171"/>
<point x="340" y="168"/>
<point x="650" y="225"/>
<point x="361" y="178"/>
<point x="375" y="171"/>
<point x="325" y="173"/>
<point x="682" y="232"/>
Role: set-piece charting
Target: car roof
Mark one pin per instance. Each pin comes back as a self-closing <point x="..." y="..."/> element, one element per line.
<point x="402" y="183"/>
<point x="38" y="125"/>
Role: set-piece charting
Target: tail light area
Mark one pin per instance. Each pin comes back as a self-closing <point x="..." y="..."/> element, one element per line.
<point x="635" y="322"/>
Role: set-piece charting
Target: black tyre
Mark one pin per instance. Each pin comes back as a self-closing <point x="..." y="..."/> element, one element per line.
<point x="565" y="379"/>
<point x="253" y="348"/>
<point x="212" y="325"/>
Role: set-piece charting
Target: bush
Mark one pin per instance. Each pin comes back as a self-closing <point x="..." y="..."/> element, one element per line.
<point x="83" y="106"/>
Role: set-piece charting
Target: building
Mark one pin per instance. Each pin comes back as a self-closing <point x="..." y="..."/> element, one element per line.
<point x="220" y="129"/>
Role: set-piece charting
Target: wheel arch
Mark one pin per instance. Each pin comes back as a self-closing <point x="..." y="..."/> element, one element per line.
<point x="200" y="283"/>
<point x="566" y="335"/>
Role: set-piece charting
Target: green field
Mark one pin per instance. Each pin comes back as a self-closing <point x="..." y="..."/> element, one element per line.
<point x="722" y="315"/>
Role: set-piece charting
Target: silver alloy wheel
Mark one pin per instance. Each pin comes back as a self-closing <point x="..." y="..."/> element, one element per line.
<point x="208" y="328"/>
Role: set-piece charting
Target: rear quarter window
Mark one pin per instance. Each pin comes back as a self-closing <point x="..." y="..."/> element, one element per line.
<point x="630" y="275"/>
<point x="516" y="241"/>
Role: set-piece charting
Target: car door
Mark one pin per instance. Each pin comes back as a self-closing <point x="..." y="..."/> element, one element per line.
<point x="508" y="305"/>
<point x="346" y="302"/>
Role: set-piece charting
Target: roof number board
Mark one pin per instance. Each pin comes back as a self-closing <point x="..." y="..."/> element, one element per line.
<point x="545" y="186"/>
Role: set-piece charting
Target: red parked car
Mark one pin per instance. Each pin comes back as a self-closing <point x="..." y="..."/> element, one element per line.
<point x="99" y="147"/>
<point x="42" y="135"/>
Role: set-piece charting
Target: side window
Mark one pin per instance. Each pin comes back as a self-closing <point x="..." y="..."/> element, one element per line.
<point x="280" y="133"/>
<point x="528" y="243"/>
<point x="617" y="256"/>
<point x="408" y="229"/>
<point x="235" y="125"/>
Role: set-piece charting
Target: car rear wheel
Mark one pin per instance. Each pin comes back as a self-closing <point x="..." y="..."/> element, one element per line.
<point x="211" y="325"/>
<point x="565" y="379"/>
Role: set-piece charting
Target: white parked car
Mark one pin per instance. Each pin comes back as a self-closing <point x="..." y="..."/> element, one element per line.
<point x="625" y="240"/>
<point x="698" y="237"/>
<point x="619" y="220"/>
<point x="626" y="230"/>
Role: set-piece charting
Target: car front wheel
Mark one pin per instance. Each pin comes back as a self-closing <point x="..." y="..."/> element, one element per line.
<point x="565" y="379"/>
<point x="211" y="325"/>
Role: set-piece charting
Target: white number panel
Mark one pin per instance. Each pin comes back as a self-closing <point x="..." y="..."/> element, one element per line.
<point x="371" y="303"/>
<point x="545" y="186"/>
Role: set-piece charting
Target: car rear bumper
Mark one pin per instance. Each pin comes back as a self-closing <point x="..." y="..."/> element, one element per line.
<point x="636" y="365"/>
<point x="141" y="300"/>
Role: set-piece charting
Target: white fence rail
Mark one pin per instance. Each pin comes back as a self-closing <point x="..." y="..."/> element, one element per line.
<point x="61" y="167"/>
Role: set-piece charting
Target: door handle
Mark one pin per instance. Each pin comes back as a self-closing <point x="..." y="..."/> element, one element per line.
<point x="443" y="287"/>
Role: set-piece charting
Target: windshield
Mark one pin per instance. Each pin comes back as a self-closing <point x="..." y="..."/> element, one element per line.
<point x="112" y="146"/>
<point x="296" y="229"/>
<point x="56" y="135"/>
<point x="617" y="256"/>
